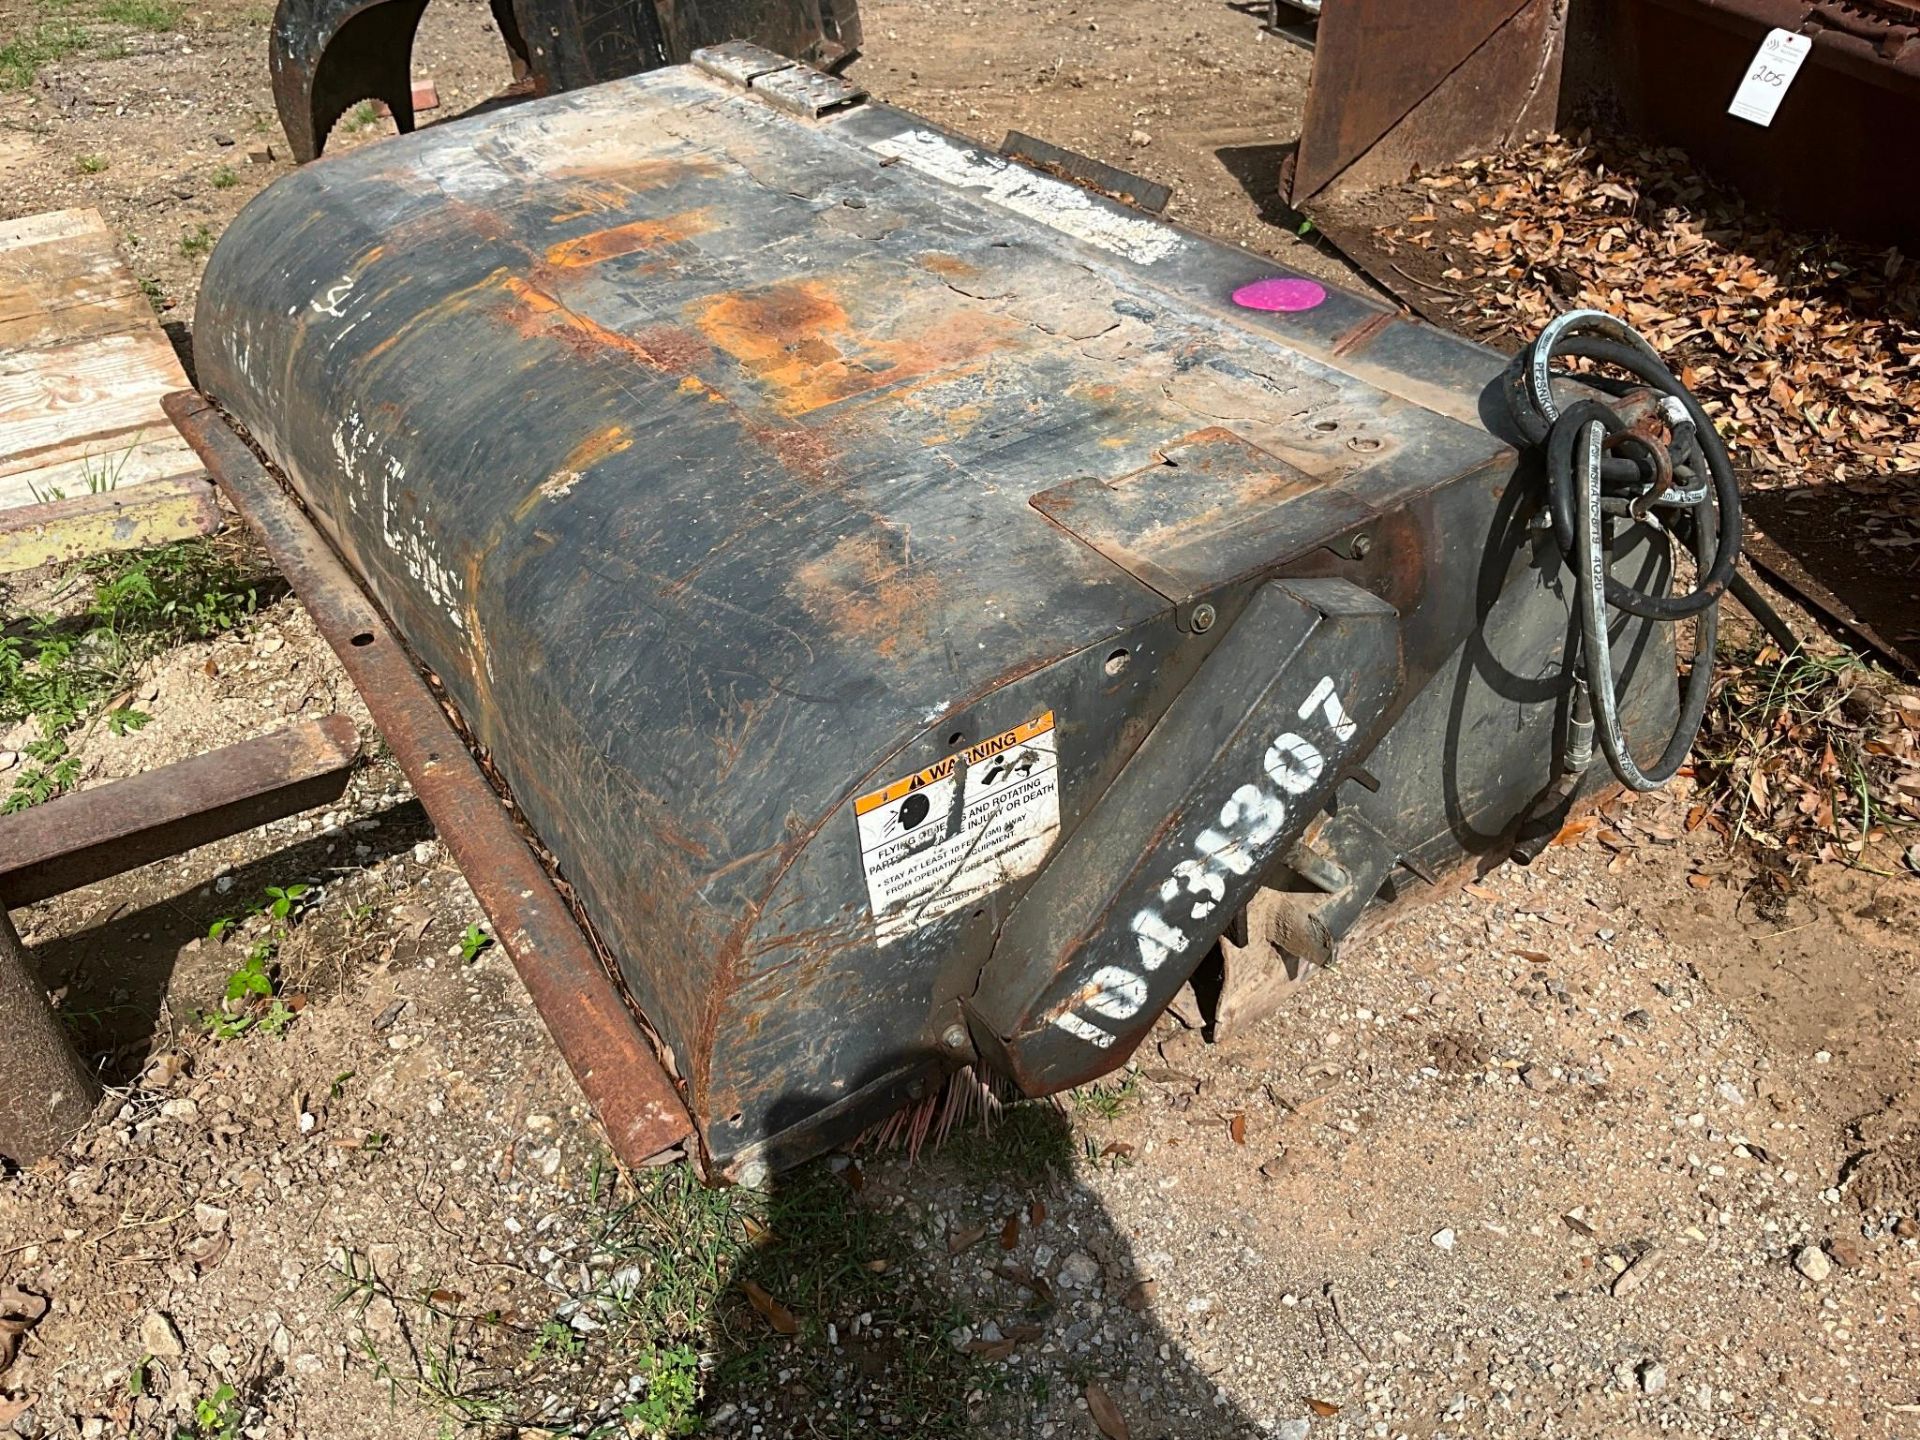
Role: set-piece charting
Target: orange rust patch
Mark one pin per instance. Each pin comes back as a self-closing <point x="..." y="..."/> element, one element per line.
<point x="796" y="339"/>
<point x="604" y="245"/>
<point x="861" y="589"/>
<point x="533" y="313"/>
<point x="951" y="266"/>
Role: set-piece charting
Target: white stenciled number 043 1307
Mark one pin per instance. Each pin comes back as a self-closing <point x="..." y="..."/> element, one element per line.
<point x="1233" y="845"/>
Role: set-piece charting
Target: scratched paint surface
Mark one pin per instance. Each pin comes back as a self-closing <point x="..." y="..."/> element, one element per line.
<point x="692" y="447"/>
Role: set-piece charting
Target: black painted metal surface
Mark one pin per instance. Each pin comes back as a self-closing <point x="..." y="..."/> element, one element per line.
<point x="813" y="518"/>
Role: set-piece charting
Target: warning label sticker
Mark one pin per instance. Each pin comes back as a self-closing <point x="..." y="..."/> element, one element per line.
<point x="933" y="842"/>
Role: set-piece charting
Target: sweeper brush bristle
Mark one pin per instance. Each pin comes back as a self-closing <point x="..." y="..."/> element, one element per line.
<point x="966" y="1095"/>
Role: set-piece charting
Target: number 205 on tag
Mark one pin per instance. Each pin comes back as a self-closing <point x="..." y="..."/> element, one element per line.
<point x="1765" y="84"/>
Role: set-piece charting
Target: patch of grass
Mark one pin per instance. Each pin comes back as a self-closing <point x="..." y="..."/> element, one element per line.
<point x="224" y="178"/>
<point x="1105" y="1099"/>
<point x="359" y="118"/>
<point x="156" y="295"/>
<point x="196" y="242"/>
<point x="50" y="40"/>
<point x="154" y="15"/>
<point x="1030" y="1138"/>
<point x="91" y="164"/>
<point x="68" y="675"/>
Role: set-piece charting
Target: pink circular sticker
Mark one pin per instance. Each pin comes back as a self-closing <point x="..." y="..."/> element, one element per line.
<point x="1280" y="292"/>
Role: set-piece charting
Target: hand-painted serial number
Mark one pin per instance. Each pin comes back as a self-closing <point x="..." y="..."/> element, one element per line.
<point x="1238" y="841"/>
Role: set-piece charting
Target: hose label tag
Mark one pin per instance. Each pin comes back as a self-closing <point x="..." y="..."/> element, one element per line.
<point x="935" y="841"/>
<point x="1765" y="84"/>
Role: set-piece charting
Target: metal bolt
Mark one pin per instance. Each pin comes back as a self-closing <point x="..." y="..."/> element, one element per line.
<point x="1359" y="546"/>
<point x="1203" y="617"/>
<point x="954" y="1037"/>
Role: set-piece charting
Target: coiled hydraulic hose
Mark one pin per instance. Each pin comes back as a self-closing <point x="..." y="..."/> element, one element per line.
<point x="1597" y="466"/>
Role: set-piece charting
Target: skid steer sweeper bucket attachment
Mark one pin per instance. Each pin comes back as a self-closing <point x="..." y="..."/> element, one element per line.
<point x="919" y="603"/>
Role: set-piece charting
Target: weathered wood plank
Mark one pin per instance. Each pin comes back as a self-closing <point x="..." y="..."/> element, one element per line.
<point x="122" y="463"/>
<point x="99" y="388"/>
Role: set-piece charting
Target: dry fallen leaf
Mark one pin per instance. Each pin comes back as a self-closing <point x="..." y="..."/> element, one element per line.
<point x="779" y="1316"/>
<point x="1106" y="1414"/>
<point x="1010" y="1233"/>
<point x="990" y="1349"/>
<point x="1574" y="831"/>
<point x="20" y="1311"/>
<point x="1322" y="1408"/>
<point x="1121" y="1148"/>
<point x="1237" y="1128"/>
<point x="958" y="1240"/>
<point x="1700" y="882"/>
<point x="1036" y="1213"/>
<point x="757" y="1234"/>
<point x="208" y="1251"/>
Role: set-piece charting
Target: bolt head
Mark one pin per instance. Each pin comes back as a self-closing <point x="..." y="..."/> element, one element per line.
<point x="1203" y="618"/>
<point x="954" y="1037"/>
<point x="1360" y="546"/>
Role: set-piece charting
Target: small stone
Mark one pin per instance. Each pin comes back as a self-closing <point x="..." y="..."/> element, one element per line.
<point x="1295" y="1429"/>
<point x="159" y="1338"/>
<point x="162" y="1071"/>
<point x="180" y="1109"/>
<point x="960" y="1337"/>
<point x="1906" y="1228"/>
<point x="1139" y="139"/>
<point x="225" y="142"/>
<point x="9" y="759"/>
<point x="1443" y="1239"/>
<point x="1079" y="1270"/>
<point x="1847" y="1254"/>
<point x="210" y="1218"/>
<point x="1813" y="1263"/>
<point x="1536" y="1077"/>
<point x="423" y="853"/>
<point x="1653" y="1377"/>
<point x="1634" y="1276"/>
<point x="27" y="1424"/>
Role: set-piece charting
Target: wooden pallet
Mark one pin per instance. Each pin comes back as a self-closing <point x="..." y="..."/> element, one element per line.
<point x="87" y="460"/>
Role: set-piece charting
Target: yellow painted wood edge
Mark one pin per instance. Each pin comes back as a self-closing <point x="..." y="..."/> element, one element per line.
<point x="156" y="513"/>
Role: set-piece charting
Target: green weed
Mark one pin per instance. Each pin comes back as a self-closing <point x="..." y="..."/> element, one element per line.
<point x="224" y="178"/>
<point x="217" y="1417"/>
<point x="22" y="56"/>
<point x="196" y="242"/>
<point x="251" y="1001"/>
<point x="1105" y="1099"/>
<point x="90" y="164"/>
<point x="155" y="15"/>
<point x="473" y="943"/>
<point x="67" y="675"/>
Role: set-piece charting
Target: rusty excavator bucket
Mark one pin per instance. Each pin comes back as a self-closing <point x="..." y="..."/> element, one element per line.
<point x="929" y="611"/>
<point x="1404" y="83"/>
<point x="326" y="56"/>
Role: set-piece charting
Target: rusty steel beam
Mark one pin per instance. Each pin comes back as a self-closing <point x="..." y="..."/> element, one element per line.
<point x="603" y="1044"/>
<point x="75" y="840"/>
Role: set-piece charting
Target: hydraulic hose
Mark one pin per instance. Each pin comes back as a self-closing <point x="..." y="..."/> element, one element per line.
<point x="1599" y="467"/>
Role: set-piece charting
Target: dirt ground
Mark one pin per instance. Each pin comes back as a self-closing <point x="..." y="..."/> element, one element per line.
<point x="1592" y="1147"/>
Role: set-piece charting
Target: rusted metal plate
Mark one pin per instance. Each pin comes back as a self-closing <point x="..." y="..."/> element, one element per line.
<point x="156" y="513"/>
<point x="726" y="553"/>
<point x="1374" y="61"/>
<point x="603" y="1045"/>
<point x="74" y="840"/>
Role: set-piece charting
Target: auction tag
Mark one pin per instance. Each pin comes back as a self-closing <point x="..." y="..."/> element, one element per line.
<point x="1774" y="65"/>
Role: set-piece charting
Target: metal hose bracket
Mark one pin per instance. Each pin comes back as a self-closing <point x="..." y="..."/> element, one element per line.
<point x="1599" y="469"/>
